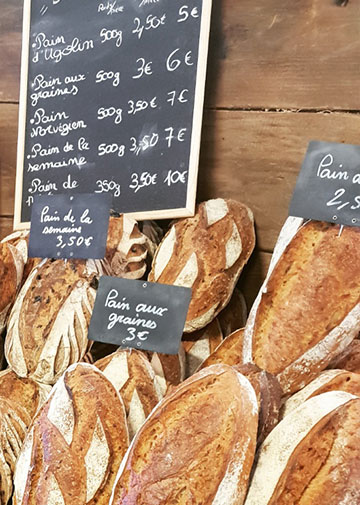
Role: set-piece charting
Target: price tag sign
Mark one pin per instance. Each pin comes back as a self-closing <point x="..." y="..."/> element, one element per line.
<point x="65" y="226"/>
<point x="138" y="314"/>
<point x="328" y="186"/>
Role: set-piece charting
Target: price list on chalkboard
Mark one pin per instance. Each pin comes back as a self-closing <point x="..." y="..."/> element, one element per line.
<point x="112" y="96"/>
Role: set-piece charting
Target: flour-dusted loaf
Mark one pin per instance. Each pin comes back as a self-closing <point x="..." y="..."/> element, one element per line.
<point x="11" y="271"/>
<point x="75" y="443"/>
<point x="19" y="401"/>
<point x="349" y="359"/>
<point x="199" y="344"/>
<point x="312" y="456"/>
<point x="206" y="253"/>
<point x="329" y="380"/>
<point x="234" y="315"/>
<point x="127" y="249"/>
<point x="196" y="447"/>
<point x="308" y="309"/>
<point x="48" y="325"/>
<point x="134" y="378"/>
<point x="229" y="352"/>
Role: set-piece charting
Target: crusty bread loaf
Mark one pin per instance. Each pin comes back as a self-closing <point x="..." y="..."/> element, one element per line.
<point x="48" y="325"/>
<point x="75" y="444"/>
<point x="127" y="248"/>
<point x="199" y="344"/>
<point x="229" y="352"/>
<point x="131" y="374"/>
<point x="234" y="315"/>
<point x="308" y="308"/>
<point x="312" y="456"/>
<point x="206" y="253"/>
<point x="19" y="401"/>
<point x="11" y="271"/>
<point x="20" y="240"/>
<point x="329" y="380"/>
<point x="197" y="446"/>
<point x="169" y="368"/>
<point x="269" y="396"/>
<point x="349" y="359"/>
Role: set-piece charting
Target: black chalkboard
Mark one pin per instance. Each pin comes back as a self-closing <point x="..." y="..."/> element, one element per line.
<point x="111" y="101"/>
<point x="139" y="314"/>
<point x="328" y="186"/>
<point x="64" y="226"/>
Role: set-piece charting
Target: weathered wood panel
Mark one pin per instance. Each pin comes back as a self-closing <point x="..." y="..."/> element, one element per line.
<point x="264" y="54"/>
<point x="254" y="157"/>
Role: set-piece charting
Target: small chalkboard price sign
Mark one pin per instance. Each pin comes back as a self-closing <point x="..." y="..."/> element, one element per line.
<point x="328" y="186"/>
<point x="111" y="102"/>
<point x="65" y="226"/>
<point x="138" y="314"/>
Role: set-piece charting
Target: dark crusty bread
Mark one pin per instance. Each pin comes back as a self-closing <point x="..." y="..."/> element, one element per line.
<point x="308" y="309"/>
<point x="234" y="315"/>
<point x="207" y="253"/>
<point x="312" y="456"/>
<point x="75" y="443"/>
<point x="197" y="446"/>
<point x="131" y="374"/>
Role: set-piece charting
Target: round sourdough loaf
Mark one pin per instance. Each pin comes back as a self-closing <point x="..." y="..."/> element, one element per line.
<point x="131" y="374"/>
<point x="206" y="253"/>
<point x="11" y="271"/>
<point x="197" y="446"/>
<point x="308" y="309"/>
<point x="312" y="456"/>
<point x="75" y="443"/>
<point x="19" y="401"/>
<point x="329" y="380"/>
<point x="48" y="325"/>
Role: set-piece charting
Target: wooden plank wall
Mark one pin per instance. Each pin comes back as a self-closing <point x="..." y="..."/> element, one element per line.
<point x="280" y="73"/>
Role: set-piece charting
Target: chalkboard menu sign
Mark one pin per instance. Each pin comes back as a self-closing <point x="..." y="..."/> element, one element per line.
<point x="328" y="186"/>
<point x="138" y="314"/>
<point x="111" y="102"/>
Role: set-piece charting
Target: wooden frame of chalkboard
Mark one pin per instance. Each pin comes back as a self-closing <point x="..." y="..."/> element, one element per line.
<point x="22" y="216"/>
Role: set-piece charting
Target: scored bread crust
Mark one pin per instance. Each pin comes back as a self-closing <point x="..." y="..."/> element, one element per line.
<point x="206" y="253"/>
<point x="75" y="443"/>
<point x="48" y="325"/>
<point x="133" y="377"/>
<point x="228" y="352"/>
<point x="311" y="456"/>
<point x="197" y="446"/>
<point x="308" y="309"/>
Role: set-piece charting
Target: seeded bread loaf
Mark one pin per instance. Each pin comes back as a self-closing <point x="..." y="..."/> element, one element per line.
<point x="349" y="359"/>
<point x="312" y="456"/>
<point x="206" y="253"/>
<point x="75" y="444"/>
<point x="199" y="344"/>
<point x="48" y="325"/>
<point x="197" y="446"/>
<point x="329" y="380"/>
<point x="131" y="374"/>
<point x="308" y="309"/>
<point x="11" y="271"/>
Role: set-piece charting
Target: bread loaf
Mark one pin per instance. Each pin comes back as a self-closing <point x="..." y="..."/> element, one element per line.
<point x="131" y="374"/>
<point x="11" y="271"/>
<point x="197" y="446"/>
<point x="229" y="352"/>
<point x="308" y="309"/>
<point x="234" y="315"/>
<point x="20" y="240"/>
<point x="349" y="359"/>
<point x="48" y="325"/>
<point x="169" y="368"/>
<point x="19" y="401"/>
<point x="199" y="344"/>
<point x="329" y="380"/>
<point x="206" y="253"/>
<point x="312" y="456"/>
<point x="75" y="444"/>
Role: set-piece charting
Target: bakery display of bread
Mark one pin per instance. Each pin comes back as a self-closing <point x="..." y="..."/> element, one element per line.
<point x="329" y="380"/>
<point x="308" y="309"/>
<point x="75" y="443"/>
<point x="197" y="446"/>
<point x="131" y="374"/>
<point x="206" y="253"/>
<point x="199" y="344"/>
<point x="11" y="271"/>
<point x="19" y="401"/>
<point x="349" y="359"/>
<point x="312" y="456"/>
<point x="48" y="325"/>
